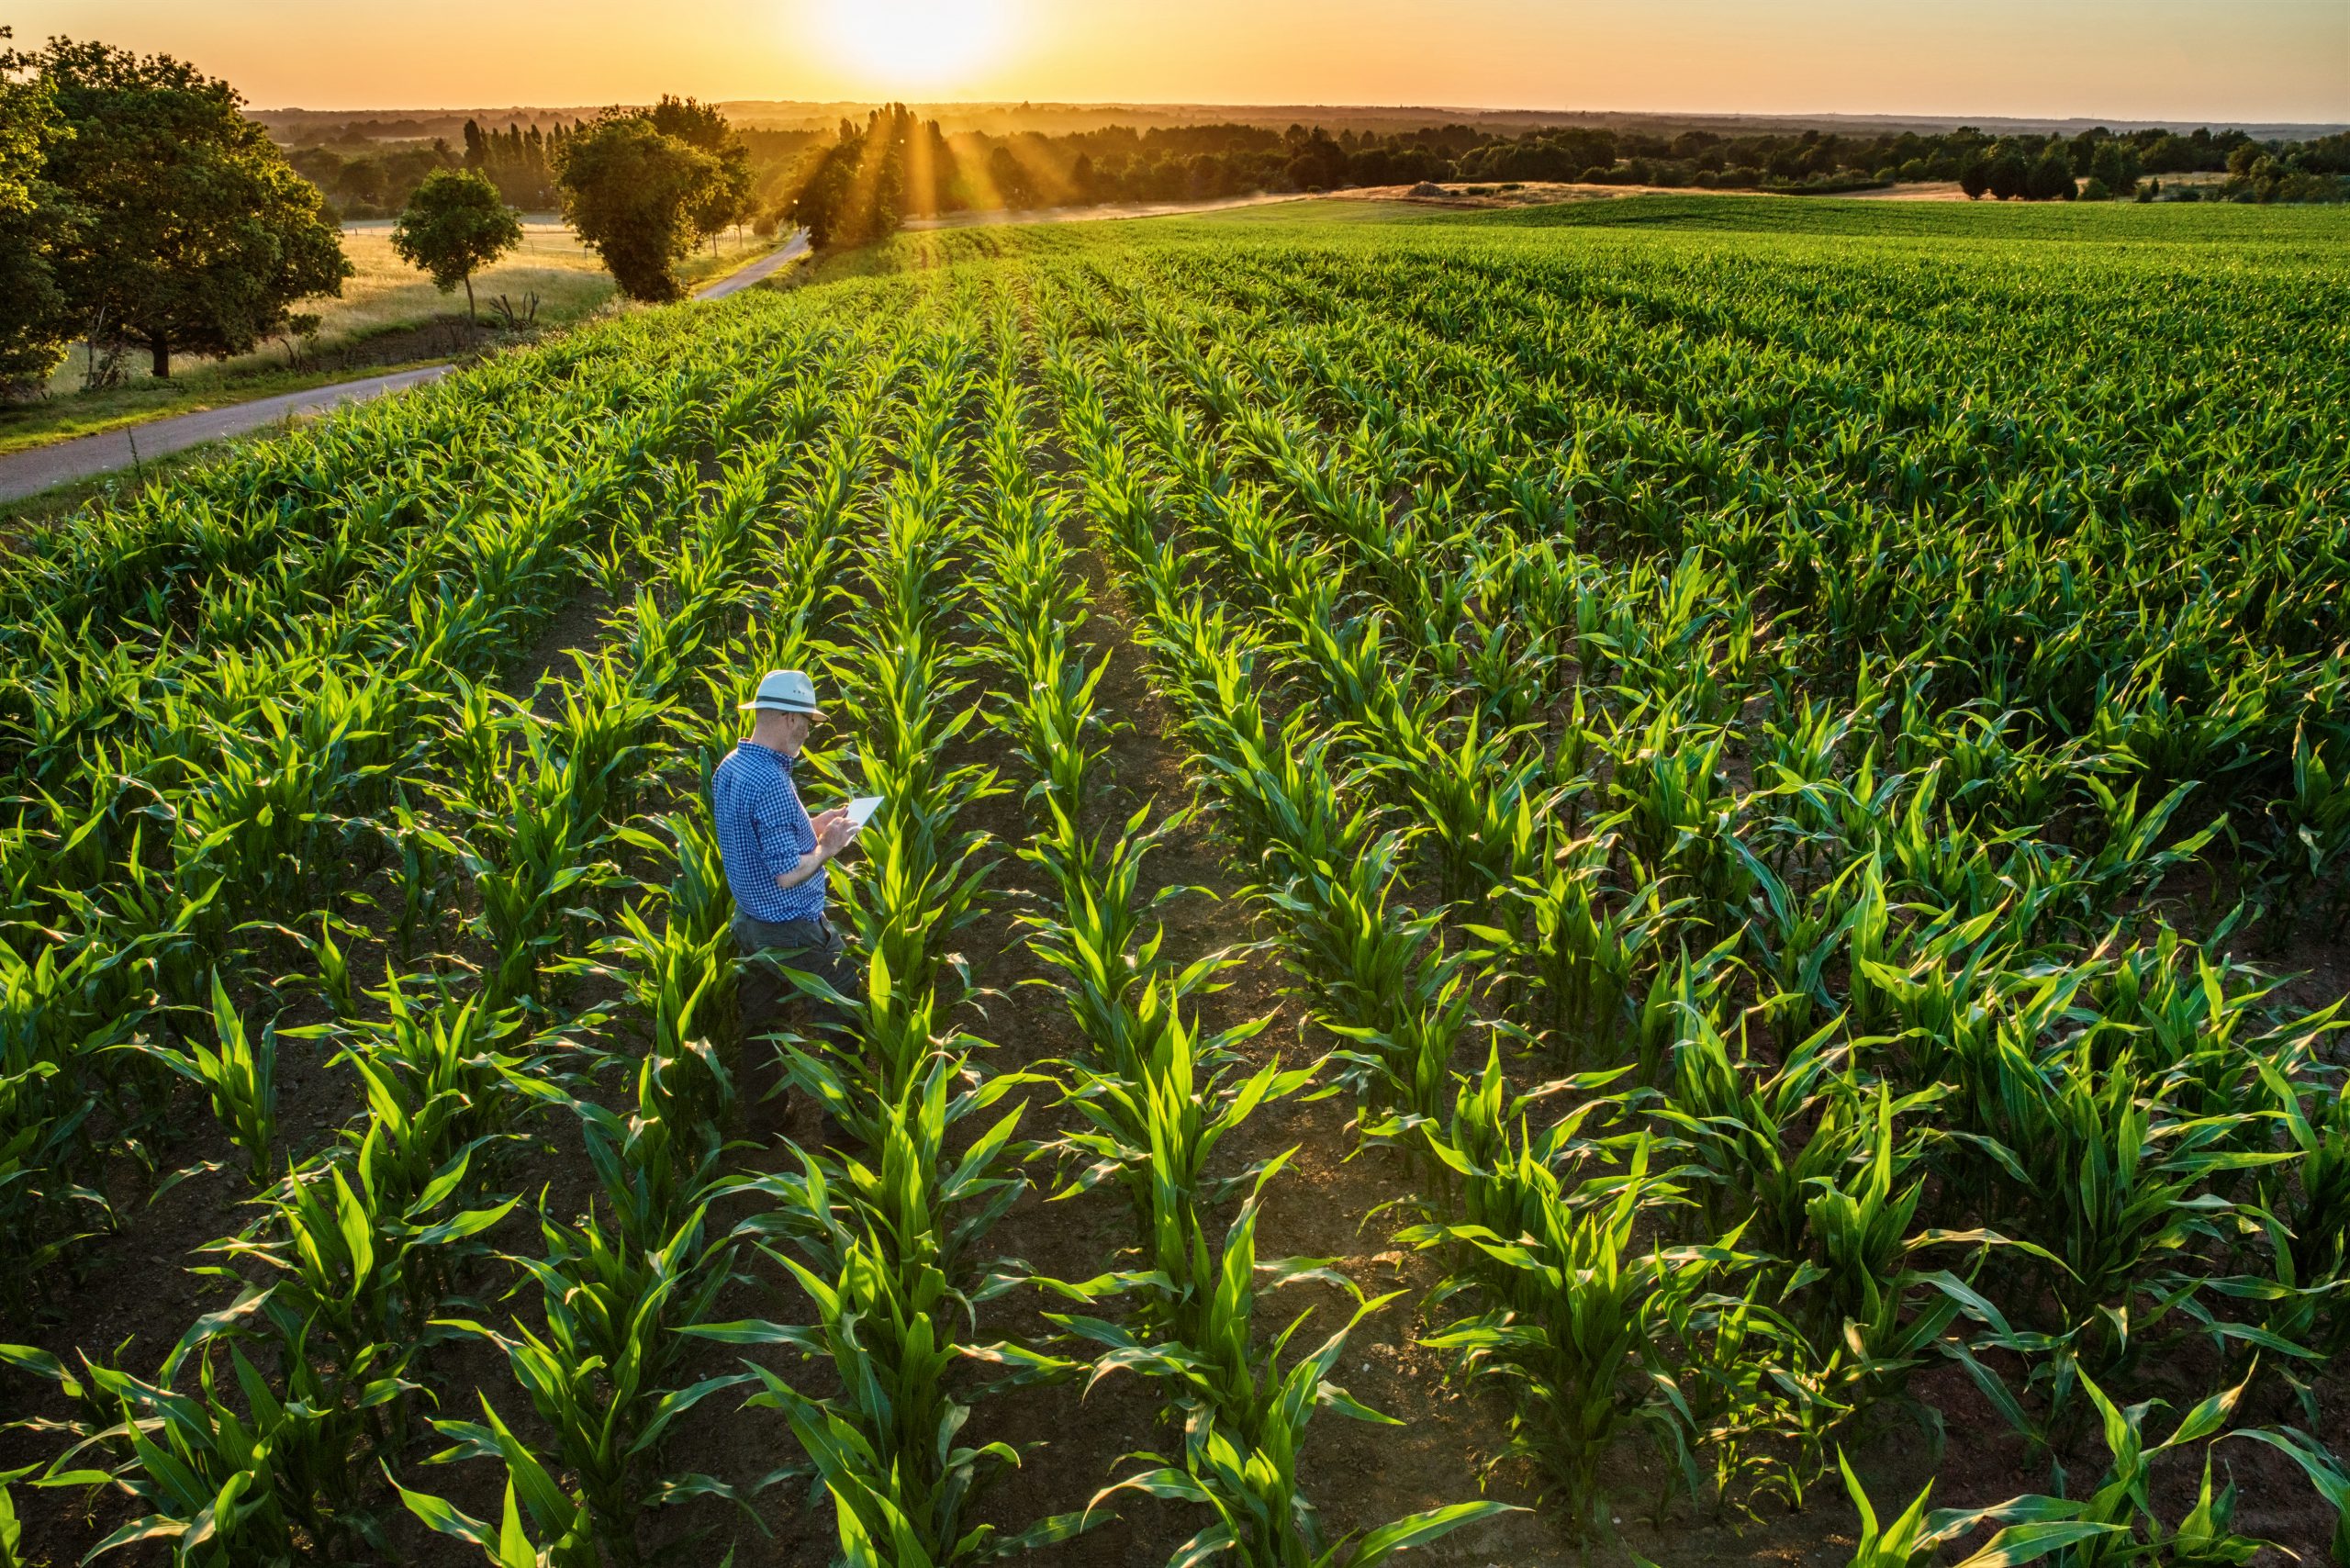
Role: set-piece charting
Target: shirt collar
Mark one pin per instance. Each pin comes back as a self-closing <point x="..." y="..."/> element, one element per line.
<point x="787" y="762"/>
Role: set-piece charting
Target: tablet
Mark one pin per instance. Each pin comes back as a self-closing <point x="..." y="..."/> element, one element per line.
<point x="861" y="809"/>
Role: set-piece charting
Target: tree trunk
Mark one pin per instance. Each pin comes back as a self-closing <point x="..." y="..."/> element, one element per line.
<point x="470" y="316"/>
<point x="160" y="345"/>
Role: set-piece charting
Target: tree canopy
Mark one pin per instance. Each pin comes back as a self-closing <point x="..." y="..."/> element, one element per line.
<point x="860" y="188"/>
<point x="453" y="226"/>
<point x="636" y="196"/>
<point x="34" y="321"/>
<point x="197" y="237"/>
<point x="727" y="199"/>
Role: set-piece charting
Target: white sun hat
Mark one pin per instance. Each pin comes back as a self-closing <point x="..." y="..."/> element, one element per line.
<point x="786" y="692"/>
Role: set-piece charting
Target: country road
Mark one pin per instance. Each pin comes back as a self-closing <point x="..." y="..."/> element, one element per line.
<point x="28" y="473"/>
<point x="758" y="271"/>
<point x="42" y="469"/>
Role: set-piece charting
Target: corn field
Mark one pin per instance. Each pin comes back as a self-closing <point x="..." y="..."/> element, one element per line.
<point x="1547" y="894"/>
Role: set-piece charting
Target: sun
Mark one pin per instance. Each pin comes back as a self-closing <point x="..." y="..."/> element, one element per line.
<point x="914" y="43"/>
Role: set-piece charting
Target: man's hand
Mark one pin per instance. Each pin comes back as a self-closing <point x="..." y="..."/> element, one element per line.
<point x="833" y="830"/>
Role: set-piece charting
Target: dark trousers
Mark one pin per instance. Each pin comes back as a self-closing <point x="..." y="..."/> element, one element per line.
<point x="763" y="994"/>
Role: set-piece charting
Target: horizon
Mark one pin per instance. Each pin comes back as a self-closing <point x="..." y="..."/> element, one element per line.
<point x="1106" y="106"/>
<point x="2153" y="61"/>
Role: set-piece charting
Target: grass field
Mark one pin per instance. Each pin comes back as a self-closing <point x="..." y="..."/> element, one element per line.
<point x="1541" y="878"/>
<point x="388" y="315"/>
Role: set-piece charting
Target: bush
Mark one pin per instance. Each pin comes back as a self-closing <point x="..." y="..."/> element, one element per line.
<point x="2094" y="190"/>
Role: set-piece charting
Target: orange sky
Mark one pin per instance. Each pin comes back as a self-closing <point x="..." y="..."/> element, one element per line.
<point x="2221" y="60"/>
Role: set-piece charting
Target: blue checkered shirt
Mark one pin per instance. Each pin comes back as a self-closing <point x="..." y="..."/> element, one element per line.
<point x="763" y="830"/>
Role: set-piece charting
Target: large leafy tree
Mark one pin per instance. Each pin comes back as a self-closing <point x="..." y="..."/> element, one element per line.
<point x="453" y="226"/>
<point x="33" y="214"/>
<point x="727" y="199"/>
<point x="633" y="193"/>
<point x="199" y="237"/>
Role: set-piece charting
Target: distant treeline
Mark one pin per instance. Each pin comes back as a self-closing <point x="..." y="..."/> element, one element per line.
<point x="365" y="180"/>
<point x="2096" y="163"/>
<point x="964" y="171"/>
<point x="868" y="179"/>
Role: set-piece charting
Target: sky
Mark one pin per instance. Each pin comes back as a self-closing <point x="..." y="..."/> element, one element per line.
<point x="2123" y="59"/>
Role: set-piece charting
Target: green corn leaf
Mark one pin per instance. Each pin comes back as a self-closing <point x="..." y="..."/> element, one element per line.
<point x="1417" y="1530"/>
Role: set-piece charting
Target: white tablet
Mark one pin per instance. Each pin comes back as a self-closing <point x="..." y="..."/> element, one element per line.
<point x="861" y="809"/>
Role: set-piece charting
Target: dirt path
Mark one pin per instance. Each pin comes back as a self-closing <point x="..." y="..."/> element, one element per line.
<point x="758" y="271"/>
<point x="42" y="469"/>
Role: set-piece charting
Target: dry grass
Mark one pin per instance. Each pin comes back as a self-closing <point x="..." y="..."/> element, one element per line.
<point x="385" y="294"/>
<point x="388" y="315"/>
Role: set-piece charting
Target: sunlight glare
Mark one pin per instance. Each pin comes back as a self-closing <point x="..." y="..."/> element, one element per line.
<point x="925" y="43"/>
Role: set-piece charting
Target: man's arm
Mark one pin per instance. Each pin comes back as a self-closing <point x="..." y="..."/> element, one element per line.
<point x="833" y="830"/>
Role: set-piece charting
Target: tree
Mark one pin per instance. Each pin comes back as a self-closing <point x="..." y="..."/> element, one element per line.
<point x="2008" y="176"/>
<point x="856" y="190"/>
<point x="727" y="201"/>
<point x="198" y="235"/>
<point x="1015" y="187"/>
<point x="34" y="322"/>
<point x="1975" y="177"/>
<point x="452" y="227"/>
<point x="632" y="192"/>
<point x="1316" y="162"/>
<point x="2052" y="178"/>
<point x="2116" y="164"/>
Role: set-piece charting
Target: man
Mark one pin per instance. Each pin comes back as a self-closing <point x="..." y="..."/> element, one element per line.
<point x="776" y="855"/>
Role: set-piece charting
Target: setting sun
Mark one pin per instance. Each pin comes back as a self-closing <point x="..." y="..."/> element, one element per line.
<point x="914" y="43"/>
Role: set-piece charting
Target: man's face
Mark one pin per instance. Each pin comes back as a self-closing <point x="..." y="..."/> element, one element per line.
<point x="791" y="729"/>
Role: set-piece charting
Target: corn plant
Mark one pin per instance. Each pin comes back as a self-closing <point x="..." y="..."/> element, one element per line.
<point x="1914" y="1539"/>
<point x="564" y="1522"/>
<point x="1738" y="1122"/>
<point x="595" y="1376"/>
<point x="1153" y="1122"/>
<point x="2324" y="1472"/>
<point x="241" y="1076"/>
<point x="1573" y="1309"/>
<point x="222" y="1485"/>
<point x="1246" y="1417"/>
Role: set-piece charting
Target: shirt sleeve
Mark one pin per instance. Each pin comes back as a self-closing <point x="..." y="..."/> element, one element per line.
<point x="784" y="827"/>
